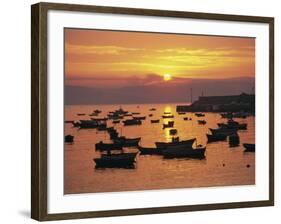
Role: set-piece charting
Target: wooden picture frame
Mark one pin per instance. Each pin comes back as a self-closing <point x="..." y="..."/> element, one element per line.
<point x="39" y="106"/>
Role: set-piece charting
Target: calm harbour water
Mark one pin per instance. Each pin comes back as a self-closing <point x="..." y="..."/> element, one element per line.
<point x="223" y="166"/>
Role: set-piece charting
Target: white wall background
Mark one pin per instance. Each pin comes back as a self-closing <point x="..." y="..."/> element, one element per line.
<point x="15" y="111"/>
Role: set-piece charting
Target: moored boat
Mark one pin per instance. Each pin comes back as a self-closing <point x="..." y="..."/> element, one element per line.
<point x="120" y="160"/>
<point x="140" y="118"/>
<point x="91" y="123"/>
<point x="224" y="131"/>
<point x="249" y="147"/>
<point x="170" y="124"/>
<point x="68" y="121"/>
<point x="199" y="115"/>
<point x="132" y="122"/>
<point x="127" y="142"/>
<point x="97" y="111"/>
<point x="75" y="124"/>
<point x="173" y="131"/>
<point x="175" y="144"/>
<point x="69" y="138"/>
<point x="201" y="122"/>
<point x="231" y="124"/>
<point x="149" y="151"/>
<point x="234" y="140"/>
<point x="196" y="153"/>
<point x="99" y="119"/>
<point x="217" y="137"/>
<point x="81" y="114"/>
<point x="94" y="114"/>
<point x="102" y="127"/>
<point x="168" y="116"/>
<point x="155" y="121"/>
<point x="100" y="146"/>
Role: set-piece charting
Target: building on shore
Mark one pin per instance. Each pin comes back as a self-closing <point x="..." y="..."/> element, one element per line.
<point x="234" y="103"/>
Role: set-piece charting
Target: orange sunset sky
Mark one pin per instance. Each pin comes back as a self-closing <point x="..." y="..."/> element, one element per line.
<point x="111" y="58"/>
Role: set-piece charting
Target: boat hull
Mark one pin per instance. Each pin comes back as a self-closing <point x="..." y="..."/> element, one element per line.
<point x="107" y="146"/>
<point x="223" y="131"/>
<point x="181" y="144"/>
<point x="149" y="151"/>
<point x="249" y="147"/>
<point x="127" y="142"/>
<point x="215" y="138"/>
<point x="125" y="160"/>
<point x="198" y="153"/>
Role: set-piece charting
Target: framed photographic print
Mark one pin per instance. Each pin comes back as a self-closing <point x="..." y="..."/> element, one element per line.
<point x="138" y="111"/>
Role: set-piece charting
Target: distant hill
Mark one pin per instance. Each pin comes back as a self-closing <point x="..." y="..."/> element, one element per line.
<point x="164" y="93"/>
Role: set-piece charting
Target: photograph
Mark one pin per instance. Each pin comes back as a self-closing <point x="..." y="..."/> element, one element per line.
<point x="154" y="111"/>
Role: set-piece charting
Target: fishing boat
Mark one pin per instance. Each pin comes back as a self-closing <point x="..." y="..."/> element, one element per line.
<point x="149" y="151"/>
<point x="249" y="147"/>
<point x="120" y="160"/>
<point x="90" y="124"/>
<point x="140" y="118"/>
<point x="102" y="127"/>
<point x="127" y="142"/>
<point x="215" y="138"/>
<point x="199" y="115"/>
<point x="195" y="153"/>
<point x="80" y="114"/>
<point x="113" y="135"/>
<point x="99" y="119"/>
<point x="135" y="113"/>
<point x="76" y="124"/>
<point x="231" y="115"/>
<point x="170" y="124"/>
<point x="120" y="111"/>
<point x="97" y="111"/>
<point x="155" y="121"/>
<point x="228" y="115"/>
<point x="100" y="146"/>
<point x="241" y="115"/>
<point x="94" y="114"/>
<point x="110" y="129"/>
<point x="132" y="122"/>
<point x="231" y="124"/>
<point x="69" y="138"/>
<point x="201" y="122"/>
<point x="175" y="144"/>
<point x="181" y="113"/>
<point x="167" y="116"/>
<point x="234" y="140"/>
<point x="68" y="122"/>
<point x="224" y="131"/>
<point x="115" y="116"/>
<point x="152" y="109"/>
<point x="173" y="131"/>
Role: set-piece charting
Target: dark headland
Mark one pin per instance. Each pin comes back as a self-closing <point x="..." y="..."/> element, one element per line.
<point x="234" y="103"/>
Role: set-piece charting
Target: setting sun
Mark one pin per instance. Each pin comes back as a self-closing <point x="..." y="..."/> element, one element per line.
<point x="167" y="77"/>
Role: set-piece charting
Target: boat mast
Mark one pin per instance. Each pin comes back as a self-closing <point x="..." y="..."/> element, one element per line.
<point x="191" y="95"/>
